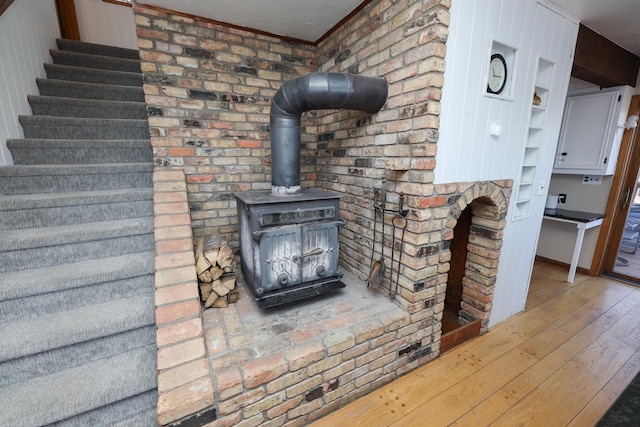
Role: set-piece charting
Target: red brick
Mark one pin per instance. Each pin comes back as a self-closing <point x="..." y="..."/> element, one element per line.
<point x="185" y="400"/>
<point x="168" y="175"/>
<point x="175" y="259"/>
<point x="168" y="357"/>
<point x="243" y="143"/>
<point x="306" y="334"/>
<point x="178" y="245"/>
<point x="175" y="232"/>
<point x="174" y="312"/>
<point x="199" y="178"/>
<point x="229" y="384"/>
<point x="170" y="197"/>
<point x="183" y="374"/>
<point x="301" y="356"/>
<point x="169" y="220"/>
<point x="174" y="276"/>
<point x="263" y="370"/>
<point x="170" y="294"/>
<point x="177" y="332"/>
<point x="170" y="208"/>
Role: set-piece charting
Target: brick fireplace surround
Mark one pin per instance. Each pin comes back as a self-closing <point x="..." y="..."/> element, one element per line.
<point x="208" y="91"/>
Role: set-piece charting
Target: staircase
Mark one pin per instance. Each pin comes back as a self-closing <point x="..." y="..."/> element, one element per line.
<point x="77" y="323"/>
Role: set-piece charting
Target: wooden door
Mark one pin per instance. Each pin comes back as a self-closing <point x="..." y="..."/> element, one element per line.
<point x="620" y="200"/>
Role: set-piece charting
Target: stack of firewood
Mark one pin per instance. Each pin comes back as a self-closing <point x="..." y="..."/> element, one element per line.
<point x="215" y="266"/>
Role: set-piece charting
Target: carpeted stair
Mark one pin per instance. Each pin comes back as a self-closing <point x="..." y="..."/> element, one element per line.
<point x="77" y="322"/>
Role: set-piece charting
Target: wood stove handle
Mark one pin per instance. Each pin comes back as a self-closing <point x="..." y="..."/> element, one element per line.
<point x="316" y="251"/>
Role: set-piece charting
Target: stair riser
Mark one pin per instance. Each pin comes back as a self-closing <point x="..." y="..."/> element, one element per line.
<point x="89" y="76"/>
<point x="84" y="132"/>
<point x="24" y="259"/>
<point x="42" y="304"/>
<point x="95" y="62"/>
<point x="10" y="185"/>
<point x="79" y="155"/>
<point x="67" y="215"/>
<point x="20" y="370"/>
<point x="81" y="111"/>
<point x="111" y="93"/>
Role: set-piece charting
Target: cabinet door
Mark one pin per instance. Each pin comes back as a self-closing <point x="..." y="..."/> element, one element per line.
<point x="587" y="131"/>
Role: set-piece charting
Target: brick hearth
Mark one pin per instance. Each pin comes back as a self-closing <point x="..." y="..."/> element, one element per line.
<point x="302" y="361"/>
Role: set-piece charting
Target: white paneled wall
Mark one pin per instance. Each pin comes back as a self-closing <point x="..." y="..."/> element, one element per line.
<point x="466" y="151"/>
<point x="28" y="29"/>
<point x="106" y="23"/>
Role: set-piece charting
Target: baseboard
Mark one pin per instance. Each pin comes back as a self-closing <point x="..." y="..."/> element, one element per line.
<point x="562" y="264"/>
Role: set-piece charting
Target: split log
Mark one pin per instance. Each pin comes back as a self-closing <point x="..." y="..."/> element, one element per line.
<point x="225" y="257"/>
<point x="229" y="282"/>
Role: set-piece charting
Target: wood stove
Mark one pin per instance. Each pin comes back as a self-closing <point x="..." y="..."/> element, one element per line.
<point x="289" y="236"/>
<point x="289" y="245"/>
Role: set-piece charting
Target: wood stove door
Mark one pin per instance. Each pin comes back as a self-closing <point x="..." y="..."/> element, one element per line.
<point x="280" y="250"/>
<point x="319" y="249"/>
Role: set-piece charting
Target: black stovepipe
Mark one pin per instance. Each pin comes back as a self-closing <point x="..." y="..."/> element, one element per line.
<point x="313" y="91"/>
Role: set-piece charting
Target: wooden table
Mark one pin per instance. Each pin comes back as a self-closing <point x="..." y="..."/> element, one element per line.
<point x="583" y="221"/>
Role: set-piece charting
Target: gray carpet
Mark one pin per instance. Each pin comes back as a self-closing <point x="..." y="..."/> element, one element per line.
<point x="77" y="315"/>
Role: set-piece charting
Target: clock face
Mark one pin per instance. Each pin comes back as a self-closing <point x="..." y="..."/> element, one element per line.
<point x="497" y="74"/>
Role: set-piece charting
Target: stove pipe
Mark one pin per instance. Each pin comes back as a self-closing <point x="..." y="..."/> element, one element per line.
<point x="313" y="91"/>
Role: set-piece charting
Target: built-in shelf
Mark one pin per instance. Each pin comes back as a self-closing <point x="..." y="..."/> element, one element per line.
<point x="530" y="157"/>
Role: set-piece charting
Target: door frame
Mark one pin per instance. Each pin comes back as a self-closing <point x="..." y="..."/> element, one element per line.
<point x="624" y="179"/>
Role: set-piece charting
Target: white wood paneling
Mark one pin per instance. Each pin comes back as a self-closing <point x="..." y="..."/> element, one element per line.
<point x="28" y="29"/>
<point x="106" y="23"/>
<point x="466" y="151"/>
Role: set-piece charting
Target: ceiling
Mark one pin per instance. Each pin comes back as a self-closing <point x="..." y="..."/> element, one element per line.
<point x="309" y="20"/>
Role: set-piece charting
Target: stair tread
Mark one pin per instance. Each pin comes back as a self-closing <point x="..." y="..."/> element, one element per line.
<point x="87" y="87"/>
<point x="50" y="200"/>
<point x="25" y="283"/>
<point x="97" y="49"/>
<point x="57" y="100"/>
<point x="40" y="401"/>
<point x="29" y="238"/>
<point x="87" y="60"/>
<point x="72" y="169"/>
<point x="82" y="121"/>
<point x="79" y="74"/>
<point x="74" y="143"/>
<point x="60" y="329"/>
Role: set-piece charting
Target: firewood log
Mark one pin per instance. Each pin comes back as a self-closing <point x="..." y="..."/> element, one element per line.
<point x="216" y="272"/>
<point x="229" y="282"/>
<point x="221" y="302"/>
<point x="205" y="276"/>
<point x="211" y="256"/>
<point x="220" y="290"/>
<point x="205" y="290"/>
<point x="233" y="296"/>
<point x="225" y="257"/>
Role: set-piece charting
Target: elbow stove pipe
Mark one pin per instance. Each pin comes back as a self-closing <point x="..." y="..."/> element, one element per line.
<point x="313" y="91"/>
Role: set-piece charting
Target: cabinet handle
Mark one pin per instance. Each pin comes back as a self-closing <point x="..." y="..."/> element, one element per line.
<point x="563" y="154"/>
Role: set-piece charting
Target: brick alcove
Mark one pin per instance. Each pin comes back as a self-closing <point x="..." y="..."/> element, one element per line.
<point x="474" y="249"/>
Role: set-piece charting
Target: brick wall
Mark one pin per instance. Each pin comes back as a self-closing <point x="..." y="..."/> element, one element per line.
<point x="208" y="90"/>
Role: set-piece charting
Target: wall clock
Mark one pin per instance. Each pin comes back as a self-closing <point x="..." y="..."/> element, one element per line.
<point x="497" y="74"/>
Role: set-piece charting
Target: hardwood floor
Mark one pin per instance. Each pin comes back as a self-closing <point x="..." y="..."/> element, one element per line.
<point x="561" y="362"/>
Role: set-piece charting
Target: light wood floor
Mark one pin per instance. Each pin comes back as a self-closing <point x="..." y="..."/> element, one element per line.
<point x="561" y="362"/>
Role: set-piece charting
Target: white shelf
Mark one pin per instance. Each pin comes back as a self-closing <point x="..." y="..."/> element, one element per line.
<point x="525" y="188"/>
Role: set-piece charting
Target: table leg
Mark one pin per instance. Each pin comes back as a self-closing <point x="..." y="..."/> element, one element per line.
<point x="576" y="255"/>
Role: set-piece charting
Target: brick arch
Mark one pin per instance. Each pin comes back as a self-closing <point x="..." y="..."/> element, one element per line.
<point x="488" y="205"/>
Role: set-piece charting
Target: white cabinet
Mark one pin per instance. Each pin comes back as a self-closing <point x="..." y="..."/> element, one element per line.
<point x="589" y="138"/>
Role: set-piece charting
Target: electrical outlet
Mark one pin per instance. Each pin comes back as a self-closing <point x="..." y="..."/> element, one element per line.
<point x="592" y="179"/>
<point x="562" y="198"/>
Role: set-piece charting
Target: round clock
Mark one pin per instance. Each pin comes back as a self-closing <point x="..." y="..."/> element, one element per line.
<point x="497" y="74"/>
